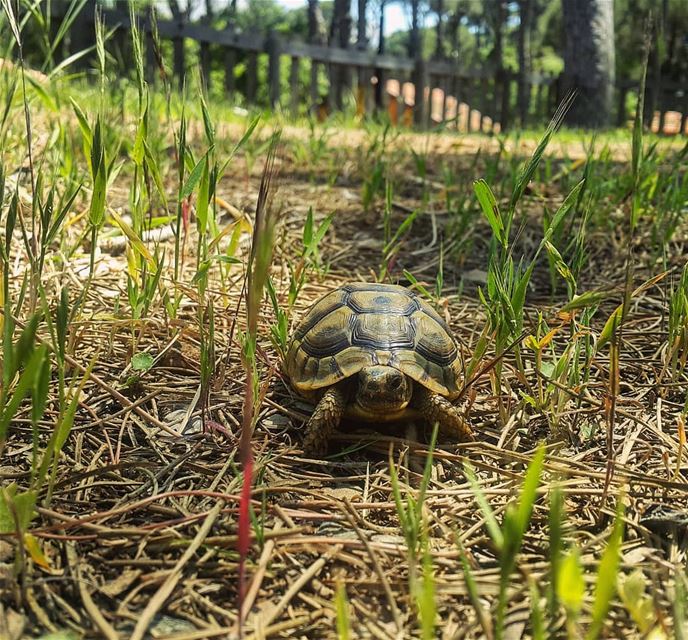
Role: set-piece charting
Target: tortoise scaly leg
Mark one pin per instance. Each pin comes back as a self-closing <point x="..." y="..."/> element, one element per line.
<point x="324" y="421"/>
<point x="435" y="408"/>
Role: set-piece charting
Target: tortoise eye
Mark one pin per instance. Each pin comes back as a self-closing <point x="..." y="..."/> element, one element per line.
<point x="396" y="382"/>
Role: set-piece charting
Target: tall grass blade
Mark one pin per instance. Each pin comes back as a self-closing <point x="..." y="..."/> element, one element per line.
<point x="490" y="520"/>
<point x="488" y="203"/>
<point x="427" y="606"/>
<point x="342" y="608"/>
<point x="473" y="592"/>
<point x="259" y="263"/>
<point x="607" y="576"/>
<point x="528" y="171"/>
<point x="570" y="584"/>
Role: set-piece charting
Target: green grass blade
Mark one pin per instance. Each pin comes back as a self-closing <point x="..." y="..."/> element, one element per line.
<point x="490" y="520"/>
<point x="528" y="171"/>
<point x="570" y="584"/>
<point x="556" y="519"/>
<point x="472" y="589"/>
<point x="342" y="609"/>
<point x="488" y="203"/>
<point x="607" y="576"/>
<point x="27" y="380"/>
<point x="529" y="492"/>
<point x="427" y="607"/>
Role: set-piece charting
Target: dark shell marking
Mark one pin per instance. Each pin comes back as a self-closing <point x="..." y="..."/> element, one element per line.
<point x="363" y="324"/>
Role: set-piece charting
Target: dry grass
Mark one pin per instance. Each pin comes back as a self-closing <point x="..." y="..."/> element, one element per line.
<point x="144" y="510"/>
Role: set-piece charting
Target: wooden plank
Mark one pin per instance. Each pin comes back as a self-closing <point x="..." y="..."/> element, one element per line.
<point x="380" y="90"/>
<point x="251" y="73"/>
<point x="484" y="102"/>
<point x="294" y="86"/>
<point x="314" y="89"/>
<point x="273" y="51"/>
<point x="151" y="65"/>
<point x="446" y="68"/>
<point x="82" y="34"/>
<point x="539" y="96"/>
<point x="621" y="107"/>
<point x="338" y="83"/>
<point x="179" y="60"/>
<point x="169" y="29"/>
<point x="349" y="57"/>
<point x="661" y="106"/>
<point x="552" y="98"/>
<point x="230" y="63"/>
<point x="456" y="92"/>
<point x="470" y="97"/>
<point x="369" y="94"/>
<point x="505" y="113"/>
<point x="421" y="82"/>
<point x="362" y="86"/>
<point x="205" y="60"/>
<point x="495" y="105"/>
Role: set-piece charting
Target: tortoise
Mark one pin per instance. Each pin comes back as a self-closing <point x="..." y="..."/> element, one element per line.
<point x="377" y="353"/>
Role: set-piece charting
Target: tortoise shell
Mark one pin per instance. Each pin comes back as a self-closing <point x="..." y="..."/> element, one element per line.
<point x="364" y="324"/>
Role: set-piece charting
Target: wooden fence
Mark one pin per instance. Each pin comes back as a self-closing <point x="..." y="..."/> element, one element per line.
<point x="487" y="95"/>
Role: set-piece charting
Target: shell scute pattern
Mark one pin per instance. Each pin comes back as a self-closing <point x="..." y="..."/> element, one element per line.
<point x="363" y="324"/>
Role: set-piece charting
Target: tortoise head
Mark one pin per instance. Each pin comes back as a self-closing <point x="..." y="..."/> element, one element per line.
<point x="382" y="390"/>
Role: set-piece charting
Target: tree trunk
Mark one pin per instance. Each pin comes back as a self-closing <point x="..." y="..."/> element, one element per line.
<point x="340" y="34"/>
<point x="453" y="25"/>
<point x="524" y="58"/>
<point x="361" y="36"/>
<point x="175" y="9"/>
<point x="363" y="73"/>
<point x="317" y="34"/>
<point x="439" y="46"/>
<point x="340" y="28"/>
<point x="497" y="54"/>
<point x="379" y="74"/>
<point x="381" y="41"/>
<point x="589" y="61"/>
<point x="316" y="23"/>
<point x="414" y="36"/>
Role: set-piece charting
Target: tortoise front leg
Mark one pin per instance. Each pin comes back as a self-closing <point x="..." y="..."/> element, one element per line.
<point x="324" y="421"/>
<point x="435" y="408"/>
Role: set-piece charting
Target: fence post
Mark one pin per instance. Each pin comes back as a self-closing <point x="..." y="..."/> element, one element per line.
<point x="484" y="102"/>
<point x="272" y="46"/>
<point x="314" y="90"/>
<point x="150" y="50"/>
<point x="446" y="89"/>
<point x="538" y="98"/>
<point x="553" y="95"/>
<point x="661" y="106"/>
<point x="82" y="34"/>
<point x="420" y="82"/>
<point x="379" y="89"/>
<point x="205" y="64"/>
<point x="179" y="54"/>
<point x="456" y="91"/>
<point x="230" y="63"/>
<point x="505" y="79"/>
<point x="294" y="86"/>
<point x="251" y="73"/>
<point x="621" y="107"/>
